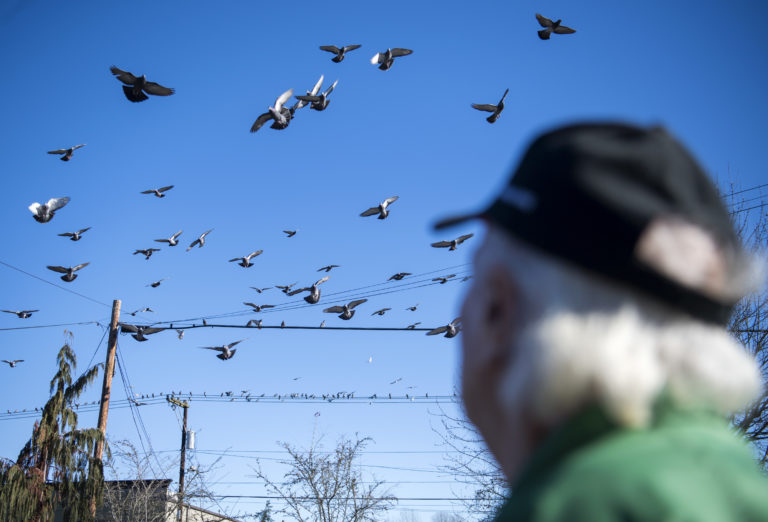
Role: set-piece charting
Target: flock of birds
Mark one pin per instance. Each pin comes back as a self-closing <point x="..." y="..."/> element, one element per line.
<point x="138" y="88"/>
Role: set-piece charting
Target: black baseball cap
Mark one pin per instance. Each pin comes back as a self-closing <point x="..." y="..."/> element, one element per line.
<point x="586" y="192"/>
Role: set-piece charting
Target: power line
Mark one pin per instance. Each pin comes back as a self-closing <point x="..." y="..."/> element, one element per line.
<point x="746" y="190"/>
<point x="48" y="326"/>
<point x="288" y="327"/>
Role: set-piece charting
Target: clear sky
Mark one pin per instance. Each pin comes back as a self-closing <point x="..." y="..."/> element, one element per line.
<point x="695" y="67"/>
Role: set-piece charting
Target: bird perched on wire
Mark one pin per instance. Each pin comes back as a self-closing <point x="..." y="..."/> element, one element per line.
<point x="495" y="109"/>
<point x="290" y="233"/>
<point x="551" y="27"/>
<point x="258" y="308"/>
<point x="200" y="241"/>
<point x="314" y="291"/>
<point x="380" y="209"/>
<point x="245" y="262"/>
<point x="75" y="236"/>
<point x="13" y="363"/>
<point x="451" y="330"/>
<point x="346" y="312"/>
<point x="172" y="241"/>
<point x="452" y="244"/>
<point x="69" y="273"/>
<point x="22" y="314"/>
<point x="444" y="279"/>
<point x="158" y="192"/>
<point x="328" y="268"/>
<point x="139" y="332"/>
<point x="66" y="154"/>
<point x="146" y="252"/>
<point x="398" y="276"/>
<point x="320" y="101"/>
<point x="381" y="311"/>
<point x="339" y="51"/>
<point x="387" y="58"/>
<point x="226" y="350"/>
<point x="44" y="212"/>
<point x="135" y="87"/>
<point x="278" y="113"/>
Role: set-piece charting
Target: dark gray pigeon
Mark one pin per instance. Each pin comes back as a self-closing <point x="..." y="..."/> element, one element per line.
<point x="387" y="58"/>
<point x="380" y="209"/>
<point x="157" y="283"/>
<point x="146" y="252"/>
<point x="551" y="27"/>
<point x="139" y="332"/>
<point x="260" y="290"/>
<point x="140" y="311"/>
<point x="66" y="153"/>
<point x="69" y="273"/>
<point x="172" y="241"/>
<point x="245" y="262"/>
<point x="200" y="241"/>
<point x="452" y="244"/>
<point x="339" y="51"/>
<point x="318" y="101"/>
<point x="299" y="104"/>
<point x="43" y="213"/>
<point x="13" y="363"/>
<point x="398" y="276"/>
<point x="346" y="312"/>
<point x="75" y="236"/>
<point x="135" y="87"/>
<point x="412" y="326"/>
<point x="22" y="314"/>
<point x="314" y="291"/>
<point x="495" y="109"/>
<point x="290" y="233"/>
<point x="281" y="118"/>
<point x="328" y="268"/>
<point x="285" y="288"/>
<point x="226" y="350"/>
<point x="413" y="308"/>
<point x="158" y="192"/>
<point x="381" y="311"/>
<point x="444" y="279"/>
<point x="451" y="330"/>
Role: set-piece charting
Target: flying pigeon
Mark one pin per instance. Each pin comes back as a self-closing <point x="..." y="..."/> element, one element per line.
<point x="245" y="262"/>
<point x="180" y="333"/>
<point x="398" y="276"/>
<point x="226" y="351"/>
<point x="146" y="252"/>
<point x="13" y="363"/>
<point x="254" y="322"/>
<point x="396" y="380"/>
<point x="172" y="241"/>
<point x="451" y="330"/>
<point x="413" y="308"/>
<point x="387" y="58"/>
<point x="290" y="233"/>
<point x="139" y="332"/>
<point x="345" y="311"/>
<point x="200" y="241"/>
<point x="495" y="109"/>
<point x="319" y="102"/>
<point x="275" y="113"/>
<point x="23" y="314"/>
<point x="453" y="243"/>
<point x="260" y="290"/>
<point x="551" y="27"/>
<point x="328" y="268"/>
<point x="134" y="86"/>
<point x="381" y="311"/>
<point x="381" y="209"/>
<point x="444" y="279"/>
<point x="66" y="153"/>
<point x="156" y="283"/>
<point x="259" y="308"/>
<point x="412" y="326"/>
<point x="140" y="311"/>
<point x="285" y="288"/>
<point x="158" y="192"/>
<point x="69" y="273"/>
<point x="339" y="51"/>
<point x="43" y="213"/>
<point x="299" y="104"/>
<point x="75" y="236"/>
<point x="314" y="291"/>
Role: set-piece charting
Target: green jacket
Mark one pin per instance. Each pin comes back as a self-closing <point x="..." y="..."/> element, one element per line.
<point x="688" y="467"/>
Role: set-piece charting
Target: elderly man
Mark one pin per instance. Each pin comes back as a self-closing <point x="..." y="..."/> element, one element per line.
<point x="596" y="364"/>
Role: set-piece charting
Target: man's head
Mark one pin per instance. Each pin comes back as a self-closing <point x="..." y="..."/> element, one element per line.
<point x="606" y="275"/>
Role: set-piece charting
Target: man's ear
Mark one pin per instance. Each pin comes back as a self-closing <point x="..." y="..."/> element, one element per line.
<point x="500" y="313"/>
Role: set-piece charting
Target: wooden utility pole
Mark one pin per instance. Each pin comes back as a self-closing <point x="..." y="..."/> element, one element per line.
<point x="182" y="464"/>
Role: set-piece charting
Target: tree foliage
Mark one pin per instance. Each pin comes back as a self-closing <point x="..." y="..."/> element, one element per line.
<point x="56" y="467"/>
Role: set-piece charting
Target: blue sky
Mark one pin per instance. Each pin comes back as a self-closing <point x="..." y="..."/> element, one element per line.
<point x="410" y="131"/>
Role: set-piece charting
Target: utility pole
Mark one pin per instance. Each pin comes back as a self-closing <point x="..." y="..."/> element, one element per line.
<point x="185" y="407"/>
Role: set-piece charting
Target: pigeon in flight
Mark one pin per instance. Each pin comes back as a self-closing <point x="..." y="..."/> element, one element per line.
<point x="396" y="380"/>
<point x="260" y="290"/>
<point x="339" y="51"/>
<point x="75" y="236"/>
<point x="382" y="311"/>
<point x="258" y="308"/>
<point x="172" y="241"/>
<point x="146" y="252"/>
<point x="285" y="288"/>
<point x="444" y="279"/>
<point x="381" y="209"/>
<point x="451" y="330"/>
<point x="245" y="262"/>
<point x="180" y="334"/>
<point x="345" y="311"/>
<point x="156" y="283"/>
<point x="412" y="326"/>
<point x="254" y="322"/>
<point x="387" y="58"/>
<point x="282" y="118"/>
<point x="140" y="311"/>
<point x="413" y="308"/>
<point x="319" y="102"/>
<point x="290" y="233"/>
<point x="135" y="85"/>
<point x="43" y="213"/>
<point x="158" y="192"/>
<point x="453" y="243"/>
<point x="66" y="153"/>
<point x="551" y="27"/>
<point x="200" y="241"/>
<point x="328" y="268"/>
<point x="299" y="104"/>
<point x="314" y="291"/>
<point x="226" y="350"/>
<point x="398" y="276"/>
<point x="139" y="332"/>
<point x="13" y="363"/>
<point x="69" y="273"/>
<point x="495" y="109"/>
<point x="23" y="314"/>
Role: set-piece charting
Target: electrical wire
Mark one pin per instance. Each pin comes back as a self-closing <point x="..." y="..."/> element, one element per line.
<point x="97" y="323"/>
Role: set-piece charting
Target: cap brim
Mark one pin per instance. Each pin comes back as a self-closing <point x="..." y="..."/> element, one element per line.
<point x="457" y="220"/>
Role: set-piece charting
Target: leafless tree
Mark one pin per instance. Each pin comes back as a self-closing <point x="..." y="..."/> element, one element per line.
<point x="327" y="486"/>
<point x="446" y="516"/>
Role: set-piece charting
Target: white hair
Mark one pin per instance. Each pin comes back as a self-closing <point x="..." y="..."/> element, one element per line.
<point x="583" y="339"/>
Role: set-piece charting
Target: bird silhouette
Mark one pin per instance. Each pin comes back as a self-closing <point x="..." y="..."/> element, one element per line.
<point x="314" y="291"/>
<point x="346" y="312"/>
<point x="313" y="92"/>
<point x="75" y="236"/>
<point x="328" y="268"/>
<point x="44" y="212"/>
<point x="158" y="192"/>
<point x="245" y="262"/>
<point x="226" y="350"/>
<point x="495" y="109"/>
<point x="146" y="252"/>
<point x="276" y="113"/>
<point x="381" y="311"/>
<point x="380" y="209"/>
<point x="444" y="279"/>
<point x="22" y="314"/>
<point x="339" y="51"/>
<point x="387" y="58"/>
<point x="200" y="241"/>
<point x="13" y="363"/>
<point x="180" y="334"/>
<point x="172" y="241"/>
<point x="290" y="233"/>
<point x="452" y="244"/>
<point x="156" y="283"/>
<point x="259" y="308"/>
<point x="551" y="27"/>
<point x="413" y="308"/>
<point x="135" y="87"/>
<point x="139" y="332"/>
<point x="66" y="154"/>
<point x="451" y="329"/>
<point x="412" y="326"/>
<point x="398" y="276"/>
<point x="260" y="290"/>
<point x="69" y="273"/>
<point x="320" y="101"/>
